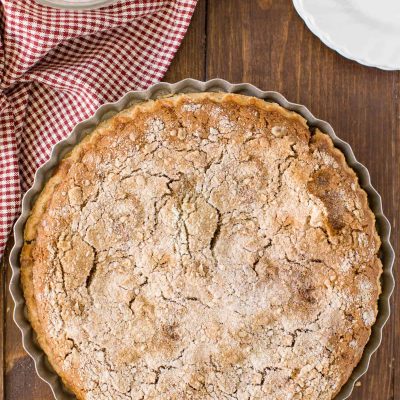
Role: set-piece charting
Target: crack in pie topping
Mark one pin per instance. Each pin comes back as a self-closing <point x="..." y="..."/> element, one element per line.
<point x="204" y="246"/>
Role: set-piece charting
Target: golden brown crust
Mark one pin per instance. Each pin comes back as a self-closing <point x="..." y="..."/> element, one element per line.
<point x="325" y="256"/>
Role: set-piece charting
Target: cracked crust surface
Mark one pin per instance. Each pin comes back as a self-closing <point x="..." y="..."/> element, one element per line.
<point x="203" y="246"/>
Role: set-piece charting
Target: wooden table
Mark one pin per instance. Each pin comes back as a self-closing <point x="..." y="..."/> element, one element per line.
<point x="266" y="43"/>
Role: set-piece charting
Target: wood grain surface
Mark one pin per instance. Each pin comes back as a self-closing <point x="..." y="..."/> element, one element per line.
<point x="264" y="42"/>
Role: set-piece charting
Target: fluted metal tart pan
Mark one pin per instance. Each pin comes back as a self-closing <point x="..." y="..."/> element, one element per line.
<point x="106" y="111"/>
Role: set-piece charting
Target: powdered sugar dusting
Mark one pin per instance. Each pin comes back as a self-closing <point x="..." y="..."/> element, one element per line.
<point x="365" y="287"/>
<point x="191" y="107"/>
<point x="155" y="125"/>
<point x="368" y="317"/>
<point x="345" y="265"/>
<point x="353" y="344"/>
<point x="225" y="125"/>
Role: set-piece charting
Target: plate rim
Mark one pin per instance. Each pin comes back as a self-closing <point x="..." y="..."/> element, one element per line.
<point x="328" y="41"/>
<point x="76" y="7"/>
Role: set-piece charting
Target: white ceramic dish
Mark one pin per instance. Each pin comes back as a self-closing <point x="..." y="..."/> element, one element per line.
<point x="106" y="111"/>
<point x="76" y="4"/>
<point x="367" y="31"/>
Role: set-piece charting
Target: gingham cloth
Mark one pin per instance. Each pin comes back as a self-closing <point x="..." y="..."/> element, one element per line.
<point x="57" y="67"/>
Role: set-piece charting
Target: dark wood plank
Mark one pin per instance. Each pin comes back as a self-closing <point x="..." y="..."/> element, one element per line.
<point x="265" y="42"/>
<point x="189" y="61"/>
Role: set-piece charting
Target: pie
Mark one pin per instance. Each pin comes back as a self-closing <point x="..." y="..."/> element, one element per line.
<point x="202" y="246"/>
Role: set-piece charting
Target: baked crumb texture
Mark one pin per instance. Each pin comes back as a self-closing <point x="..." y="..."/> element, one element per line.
<point x="203" y="246"/>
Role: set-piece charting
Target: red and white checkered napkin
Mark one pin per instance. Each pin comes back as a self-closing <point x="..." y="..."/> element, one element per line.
<point x="57" y="67"/>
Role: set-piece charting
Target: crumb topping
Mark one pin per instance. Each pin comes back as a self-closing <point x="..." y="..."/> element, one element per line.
<point x="203" y="247"/>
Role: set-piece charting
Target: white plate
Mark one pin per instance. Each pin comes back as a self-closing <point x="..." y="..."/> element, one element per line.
<point x="367" y="31"/>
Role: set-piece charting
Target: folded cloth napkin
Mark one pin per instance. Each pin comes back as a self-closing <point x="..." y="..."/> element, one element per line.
<point x="58" y="66"/>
